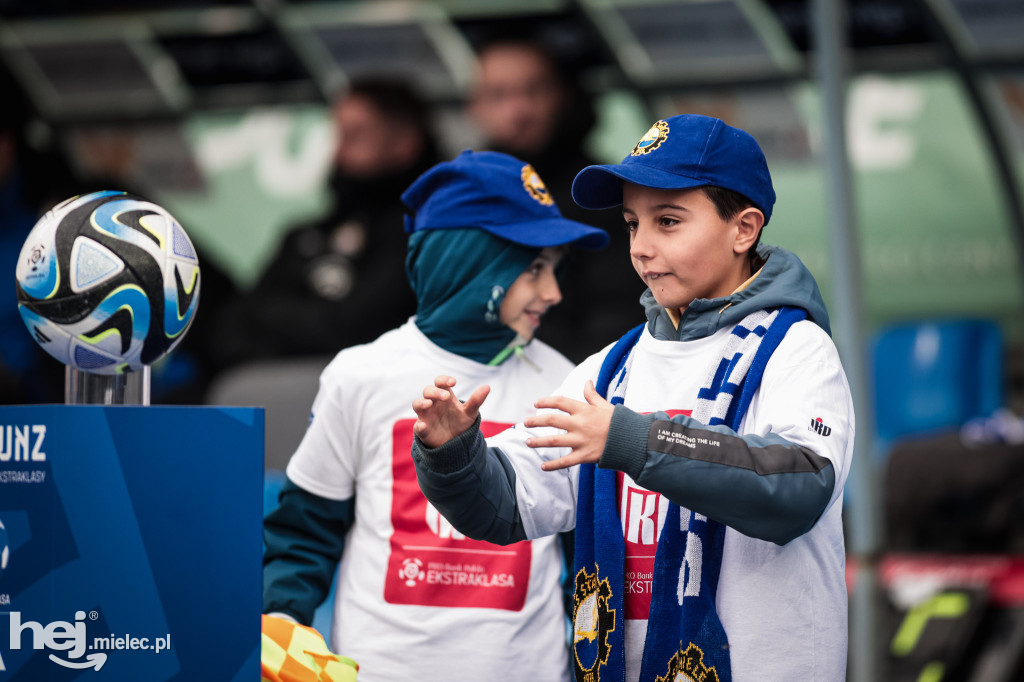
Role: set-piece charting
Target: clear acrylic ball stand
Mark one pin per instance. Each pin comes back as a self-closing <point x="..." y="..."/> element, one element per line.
<point x="85" y="388"/>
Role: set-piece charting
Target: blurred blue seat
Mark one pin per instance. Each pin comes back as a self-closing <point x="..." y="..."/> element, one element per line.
<point x="934" y="375"/>
<point x="273" y="479"/>
<point x="272" y="482"/>
<point x="284" y="387"/>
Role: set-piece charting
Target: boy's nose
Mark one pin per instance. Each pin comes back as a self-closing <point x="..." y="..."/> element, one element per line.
<point x="639" y="245"/>
<point x="549" y="290"/>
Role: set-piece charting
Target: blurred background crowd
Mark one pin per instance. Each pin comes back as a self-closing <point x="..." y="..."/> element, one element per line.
<point x="281" y="134"/>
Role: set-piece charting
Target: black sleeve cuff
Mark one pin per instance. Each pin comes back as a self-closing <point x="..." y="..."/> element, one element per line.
<point x="452" y="455"/>
<point x="626" y="446"/>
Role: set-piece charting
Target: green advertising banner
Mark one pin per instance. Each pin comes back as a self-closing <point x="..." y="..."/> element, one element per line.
<point x="935" y="235"/>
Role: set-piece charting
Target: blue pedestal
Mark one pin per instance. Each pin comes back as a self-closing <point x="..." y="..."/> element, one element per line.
<point x="133" y="538"/>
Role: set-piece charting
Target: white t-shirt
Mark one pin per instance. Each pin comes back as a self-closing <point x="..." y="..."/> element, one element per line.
<point x="415" y="598"/>
<point x="784" y="608"/>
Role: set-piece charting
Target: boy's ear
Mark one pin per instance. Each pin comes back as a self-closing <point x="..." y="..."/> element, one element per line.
<point x="749" y="222"/>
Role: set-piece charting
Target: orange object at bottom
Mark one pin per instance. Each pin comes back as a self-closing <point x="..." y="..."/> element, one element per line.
<point x="295" y="653"/>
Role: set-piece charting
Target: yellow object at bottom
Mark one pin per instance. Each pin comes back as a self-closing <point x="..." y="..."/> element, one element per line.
<point x="295" y="653"/>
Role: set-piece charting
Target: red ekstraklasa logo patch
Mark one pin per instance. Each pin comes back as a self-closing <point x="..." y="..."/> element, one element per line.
<point x="433" y="564"/>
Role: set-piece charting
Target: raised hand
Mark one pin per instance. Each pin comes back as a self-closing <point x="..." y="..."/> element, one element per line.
<point x="441" y="416"/>
<point x="585" y="425"/>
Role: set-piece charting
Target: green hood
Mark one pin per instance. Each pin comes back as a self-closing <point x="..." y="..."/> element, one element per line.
<point x="460" y="277"/>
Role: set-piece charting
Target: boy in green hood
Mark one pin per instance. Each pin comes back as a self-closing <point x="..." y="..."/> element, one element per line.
<point x="416" y="599"/>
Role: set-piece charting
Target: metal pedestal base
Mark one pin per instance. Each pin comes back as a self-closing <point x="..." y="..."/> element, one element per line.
<point x="83" y="388"/>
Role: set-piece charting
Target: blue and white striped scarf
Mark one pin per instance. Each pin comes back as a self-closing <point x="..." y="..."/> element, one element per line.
<point x="684" y="633"/>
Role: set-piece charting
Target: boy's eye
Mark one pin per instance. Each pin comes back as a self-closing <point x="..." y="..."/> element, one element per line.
<point x="630" y="225"/>
<point x="667" y="221"/>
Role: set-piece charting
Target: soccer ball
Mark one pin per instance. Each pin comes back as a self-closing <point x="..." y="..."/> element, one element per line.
<point x="108" y="282"/>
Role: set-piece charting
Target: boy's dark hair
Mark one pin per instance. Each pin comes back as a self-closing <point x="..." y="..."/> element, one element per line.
<point x="728" y="204"/>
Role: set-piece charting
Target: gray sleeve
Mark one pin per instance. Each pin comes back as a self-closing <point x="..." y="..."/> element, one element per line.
<point x="472" y="486"/>
<point x="764" y="487"/>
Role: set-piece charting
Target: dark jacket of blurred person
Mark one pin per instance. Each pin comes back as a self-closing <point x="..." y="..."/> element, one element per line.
<point x="340" y="280"/>
<point x="31" y="182"/>
<point x="526" y="104"/>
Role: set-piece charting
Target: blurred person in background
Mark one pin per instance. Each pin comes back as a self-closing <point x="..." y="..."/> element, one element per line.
<point x="32" y="180"/>
<point x="340" y="280"/>
<point x="526" y="103"/>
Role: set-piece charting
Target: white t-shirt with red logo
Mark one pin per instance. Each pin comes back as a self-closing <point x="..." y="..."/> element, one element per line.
<point x="783" y="607"/>
<point x="416" y="599"/>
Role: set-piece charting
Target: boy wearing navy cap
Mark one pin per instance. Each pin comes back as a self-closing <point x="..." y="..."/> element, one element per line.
<point x="701" y="458"/>
<point x="416" y="599"/>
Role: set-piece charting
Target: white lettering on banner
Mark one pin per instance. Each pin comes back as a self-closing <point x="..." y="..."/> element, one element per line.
<point x="883" y="114"/>
<point x="22" y="443"/>
<point x="288" y="158"/>
<point x="58" y="635"/>
<point x="37" y="453"/>
<point x="131" y="643"/>
<point x="71" y="637"/>
<point x="22" y="476"/>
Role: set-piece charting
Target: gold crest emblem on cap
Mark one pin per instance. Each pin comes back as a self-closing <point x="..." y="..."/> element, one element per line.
<point x="652" y="139"/>
<point x="535" y="186"/>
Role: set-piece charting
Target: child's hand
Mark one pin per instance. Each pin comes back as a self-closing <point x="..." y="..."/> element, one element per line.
<point x="440" y="415"/>
<point x="585" y="425"/>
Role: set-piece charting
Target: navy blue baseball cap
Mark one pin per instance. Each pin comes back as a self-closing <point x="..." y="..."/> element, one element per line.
<point x="497" y="193"/>
<point x="679" y="153"/>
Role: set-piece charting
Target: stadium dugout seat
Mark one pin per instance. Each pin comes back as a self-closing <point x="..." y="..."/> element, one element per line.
<point x="949" y="453"/>
<point x="285" y="388"/>
<point x="933" y="376"/>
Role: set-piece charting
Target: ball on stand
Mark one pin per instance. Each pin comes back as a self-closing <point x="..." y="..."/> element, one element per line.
<point x="108" y="282"/>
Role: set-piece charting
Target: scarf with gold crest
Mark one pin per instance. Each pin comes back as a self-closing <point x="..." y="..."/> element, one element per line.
<point x="685" y="638"/>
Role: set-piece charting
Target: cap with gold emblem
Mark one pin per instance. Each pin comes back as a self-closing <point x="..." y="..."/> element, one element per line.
<point x="683" y="152"/>
<point x="497" y="193"/>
